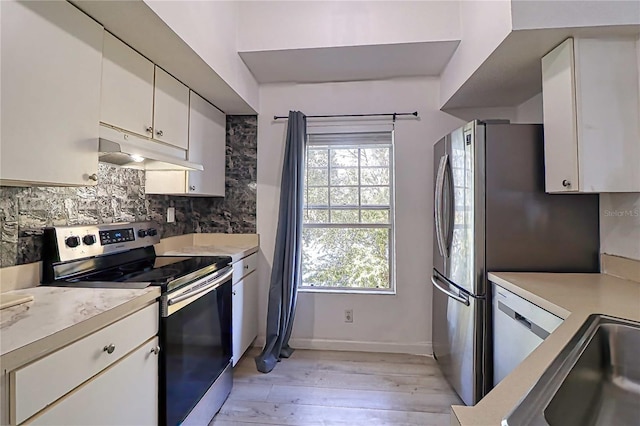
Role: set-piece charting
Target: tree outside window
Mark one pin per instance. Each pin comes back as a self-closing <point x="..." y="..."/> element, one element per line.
<point x="347" y="236"/>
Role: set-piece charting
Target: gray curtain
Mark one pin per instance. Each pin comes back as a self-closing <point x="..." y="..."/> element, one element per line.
<point x="285" y="275"/>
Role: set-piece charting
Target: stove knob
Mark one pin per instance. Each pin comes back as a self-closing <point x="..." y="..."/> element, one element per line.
<point x="142" y="233"/>
<point x="89" y="239"/>
<point x="151" y="232"/>
<point x="72" y="241"/>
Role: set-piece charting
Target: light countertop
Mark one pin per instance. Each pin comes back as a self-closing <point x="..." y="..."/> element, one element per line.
<point x="55" y="312"/>
<point x="236" y="251"/>
<point x="572" y="297"/>
<point x="235" y="245"/>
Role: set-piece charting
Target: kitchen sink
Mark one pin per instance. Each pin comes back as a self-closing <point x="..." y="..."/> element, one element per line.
<point x="595" y="380"/>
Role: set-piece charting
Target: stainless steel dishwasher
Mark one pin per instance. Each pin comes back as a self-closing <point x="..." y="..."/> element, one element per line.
<point x="519" y="327"/>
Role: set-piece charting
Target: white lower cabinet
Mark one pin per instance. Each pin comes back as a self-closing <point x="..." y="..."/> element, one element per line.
<point x="124" y="394"/>
<point x="236" y="325"/>
<point x="107" y="377"/>
<point x="245" y="306"/>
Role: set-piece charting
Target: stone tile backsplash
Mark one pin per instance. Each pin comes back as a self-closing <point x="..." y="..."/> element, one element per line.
<point x="119" y="196"/>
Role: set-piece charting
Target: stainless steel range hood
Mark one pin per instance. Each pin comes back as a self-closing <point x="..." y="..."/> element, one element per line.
<point x="128" y="150"/>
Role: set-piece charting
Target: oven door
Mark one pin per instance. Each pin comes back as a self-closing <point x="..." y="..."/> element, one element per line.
<point x="195" y="336"/>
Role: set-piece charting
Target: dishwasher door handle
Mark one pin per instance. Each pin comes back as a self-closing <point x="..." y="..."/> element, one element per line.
<point x="456" y="297"/>
<point x="527" y="323"/>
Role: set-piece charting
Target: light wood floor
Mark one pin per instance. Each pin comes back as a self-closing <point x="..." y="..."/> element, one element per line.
<point x="338" y="388"/>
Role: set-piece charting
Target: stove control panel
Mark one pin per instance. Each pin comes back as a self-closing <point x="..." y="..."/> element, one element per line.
<point x="78" y="242"/>
<point x="115" y="236"/>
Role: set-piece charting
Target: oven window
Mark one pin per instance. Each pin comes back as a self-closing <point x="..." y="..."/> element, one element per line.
<point x="197" y="348"/>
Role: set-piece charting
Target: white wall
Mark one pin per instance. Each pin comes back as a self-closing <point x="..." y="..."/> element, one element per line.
<point x="210" y="28"/>
<point x="401" y="322"/>
<point x="536" y="14"/>
<point x="484" y="25"/>
<point x="530" y="111"/>
<point x="490" y="113"/>
<point x="620" y="225"/>
<point x="620" y="219"/>
<point x="276" y="25"/>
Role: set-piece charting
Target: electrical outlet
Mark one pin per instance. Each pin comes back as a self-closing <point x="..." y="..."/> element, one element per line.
<point x="348" y="315"/>
<point x="171" y="214"/>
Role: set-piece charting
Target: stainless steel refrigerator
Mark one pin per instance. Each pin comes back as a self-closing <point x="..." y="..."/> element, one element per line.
<point x="492" y="214"/>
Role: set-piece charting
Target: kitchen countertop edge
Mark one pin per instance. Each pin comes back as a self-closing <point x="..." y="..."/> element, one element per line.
<point x="33" y="349"/>
<point x="573" y="297"/>
<point x="529" y="296"/>
<point x="236" y="253"/>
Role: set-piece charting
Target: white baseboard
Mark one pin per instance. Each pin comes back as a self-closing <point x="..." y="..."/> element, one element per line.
<point x="422" y="348"/>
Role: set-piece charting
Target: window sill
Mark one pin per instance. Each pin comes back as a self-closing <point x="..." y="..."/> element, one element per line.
<point x="390" y="292"/>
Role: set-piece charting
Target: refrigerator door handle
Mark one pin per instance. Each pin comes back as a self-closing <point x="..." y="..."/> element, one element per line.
<point x="448" y="235"/>
<point x="457" y="297"/>
<point x="438" y="204"/>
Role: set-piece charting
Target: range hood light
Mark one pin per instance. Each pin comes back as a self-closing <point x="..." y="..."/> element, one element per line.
<point x="118" y="147"/>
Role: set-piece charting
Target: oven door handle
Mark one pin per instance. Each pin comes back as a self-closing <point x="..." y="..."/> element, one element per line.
<point x="192" y="294"/>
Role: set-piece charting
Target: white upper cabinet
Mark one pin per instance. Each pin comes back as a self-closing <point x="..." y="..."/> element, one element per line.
<point x="51" y="56"/>
<point x="171" y="110"/>
<point x="207" y="146"/>
<point x="591" y="116"/>
<point x="127" y="88"/>
<point x="141" y="98"/>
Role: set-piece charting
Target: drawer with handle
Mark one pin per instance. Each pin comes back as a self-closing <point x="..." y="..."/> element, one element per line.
<point x="107" y="398"/>
<point x="42" y="382"/>
<point x="244" y="267"/>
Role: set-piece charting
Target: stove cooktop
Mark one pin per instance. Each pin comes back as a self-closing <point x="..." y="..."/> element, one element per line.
<point x="160" y="271"/>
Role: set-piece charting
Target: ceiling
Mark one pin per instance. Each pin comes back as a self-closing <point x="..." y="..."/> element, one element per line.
<point x="512" y="74"/>
<point x="137" y="25"/>
<point x="509" y="76"/>
<point x="348" y="63"/>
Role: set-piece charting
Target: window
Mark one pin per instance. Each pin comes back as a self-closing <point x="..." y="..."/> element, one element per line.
<point x="347" y="231"/>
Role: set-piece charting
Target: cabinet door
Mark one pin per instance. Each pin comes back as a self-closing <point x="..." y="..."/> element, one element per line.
<point x="560" y="120"/>
<point x="52" y="56"/>
<point x="170" y="110"/>
<point x="207" y="146"/>
<point x="127" y="88"/>
<point x="607" y="99"/>
<point x="237" y="313"/>
<point x="76" y="363"/>
<point x="124" y="394"/>
<point x="249" y="310"/>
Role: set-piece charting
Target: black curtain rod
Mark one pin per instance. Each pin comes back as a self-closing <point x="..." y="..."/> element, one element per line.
<point x="389" y="114"/>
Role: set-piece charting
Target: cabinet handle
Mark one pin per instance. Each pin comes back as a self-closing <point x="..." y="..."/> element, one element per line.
<point x="234" y="292"/>
<point x="109" y="348"/>
<point x="93" y="177"/>
<point x="159" y="133"/>
<point x="246" y="266"/>
<point x="192" y="188"/>
<point x="149" y="129"/>
<point x="566" y="183"/>
<point x="155" y="350"/>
